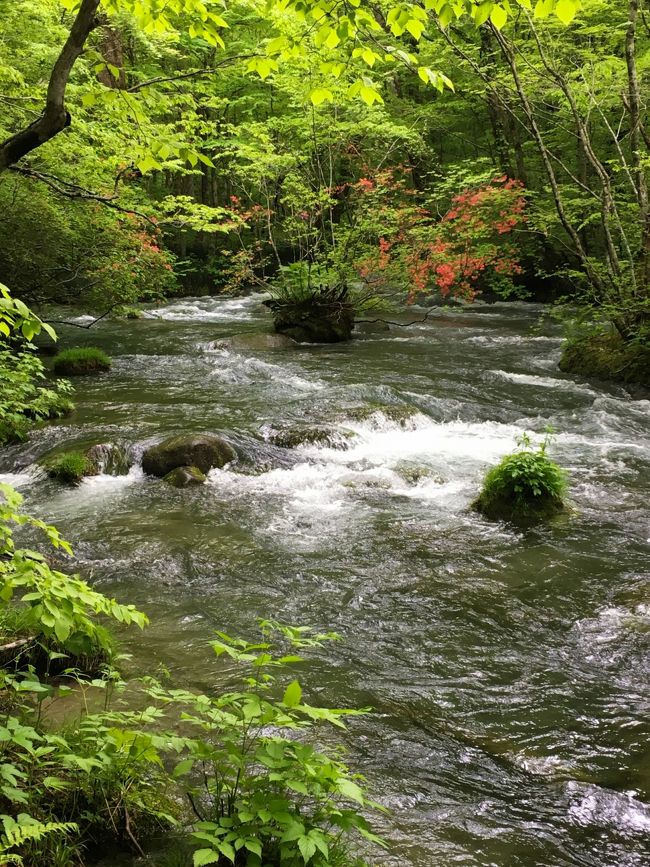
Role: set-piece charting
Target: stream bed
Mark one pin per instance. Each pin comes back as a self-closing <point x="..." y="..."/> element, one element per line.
<point x="508" y="671"/>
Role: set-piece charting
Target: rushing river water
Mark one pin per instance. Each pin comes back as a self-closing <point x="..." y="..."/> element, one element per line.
<point x="509" y="671"/>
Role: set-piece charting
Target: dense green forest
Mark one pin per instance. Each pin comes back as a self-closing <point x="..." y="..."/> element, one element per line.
<point x="363" y="165"/>
<point x="185" y="150"/>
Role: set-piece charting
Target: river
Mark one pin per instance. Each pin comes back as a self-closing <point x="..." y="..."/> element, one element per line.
<point x="508" y="671"/>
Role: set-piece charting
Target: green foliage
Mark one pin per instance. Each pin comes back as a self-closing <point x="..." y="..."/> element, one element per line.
<point x="58" y="788"/>
<point x="265" y="788"/>
<point x="69" y="467"/>
<point x="125" y="311"/>
<point x="525" y="487"/>
<point x="25" y="830"/>
<point x="81" y="360"/>
<point x="23" y="400"/>
<point x="59" y="607"/>
<point x="256" y="771"/>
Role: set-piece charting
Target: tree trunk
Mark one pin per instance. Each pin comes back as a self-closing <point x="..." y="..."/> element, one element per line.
<point x="55" y="116"/>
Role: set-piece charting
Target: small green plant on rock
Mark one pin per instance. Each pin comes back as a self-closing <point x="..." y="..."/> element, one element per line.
<point x="81" y="361"/>
<point x="525" y="487"/>
<point x="69" y="467"/>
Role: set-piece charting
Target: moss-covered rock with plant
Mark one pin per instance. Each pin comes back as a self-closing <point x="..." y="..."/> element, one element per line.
<point x="310" y="305"/>
<point x="127" y="311"/>
<point x="525" y="488"/>
<point x="69" y="467"/>
<point x="605" y="355"/>
<point x="81" y="361"/>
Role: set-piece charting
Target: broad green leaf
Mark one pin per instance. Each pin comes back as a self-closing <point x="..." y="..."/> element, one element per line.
<point x="566" y="10"/>
<point x="292" y="694"/>
<point x="205" y="856"/>
<point x="498" y="16"/>
<point x="320" y="95"/>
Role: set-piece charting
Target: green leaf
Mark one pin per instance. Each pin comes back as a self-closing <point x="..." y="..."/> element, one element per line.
<point x="292" y="694"/>
<point x="320" y="95"/>
<point x="566" y="10"/>
<point x="183" y="768"/>
<point x="415" y="27"/>
<point x="307" y="848"/>
<point x="498" y="16"/>
<point x="205" y="856"/>
<point x="369" y="95"/>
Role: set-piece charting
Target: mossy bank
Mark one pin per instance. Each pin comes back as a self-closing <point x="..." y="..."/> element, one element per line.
<point x="605" y="356"/>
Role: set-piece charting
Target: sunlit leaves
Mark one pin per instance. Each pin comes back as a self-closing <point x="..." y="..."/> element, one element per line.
<point x="498" y="16"/>
<point x="320" y="95"/>
<point x="263" y="66"/>
<point x="566" y="10"/>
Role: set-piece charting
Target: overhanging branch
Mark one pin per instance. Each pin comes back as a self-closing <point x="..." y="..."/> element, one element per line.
<point x="55" y="116"/>
<point x="74" y="191"/>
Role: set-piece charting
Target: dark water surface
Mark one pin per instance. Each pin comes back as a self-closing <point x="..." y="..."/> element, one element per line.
<point x="509" y="671"/>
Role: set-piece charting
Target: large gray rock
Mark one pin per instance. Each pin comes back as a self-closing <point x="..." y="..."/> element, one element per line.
<point x="202" y="451"/>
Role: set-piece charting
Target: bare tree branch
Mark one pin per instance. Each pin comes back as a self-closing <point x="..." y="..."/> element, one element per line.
<point x="74" y="191"/>
<point x="195" y="73"/>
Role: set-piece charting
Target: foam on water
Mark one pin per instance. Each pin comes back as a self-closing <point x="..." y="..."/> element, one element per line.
<point x="332" y="483"/>
<point x="593" y="805"/>
<point x="611" y="623"/>
<point x="94" y="493"/>
<point x="208" y="309"/>
<point x="543" y="381"/>
<point x="231" y="367"/>
<point x="512" y="339"/>
<point x="17" y="480"/>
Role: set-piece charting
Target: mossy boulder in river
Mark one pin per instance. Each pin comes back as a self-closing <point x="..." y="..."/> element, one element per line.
<point x="526" y="488"/>
<point x="313" y="321"/>
<point x="299" y="435"/>
<point x="81" y="361"/>
<point x="607" y="356"/>
<point x="203" y="451"/>
<point x="185" y="477"/>
<point x="69" y="467"/>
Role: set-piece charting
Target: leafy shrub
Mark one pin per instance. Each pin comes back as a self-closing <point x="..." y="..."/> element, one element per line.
<point x="524" y="487"/>
<point x="398" y="238"/>
<point x="126" y="311"/>
<point x="60" y="608"/>
<point x="87" y="255"/>
<point x="258" y="779"/>
<point x="56" y="788"/>
<point x="81" y="360"/>
<point x="264" y="788"/>
<point x="23" y="400"/>
<point x="69" y="467"/>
